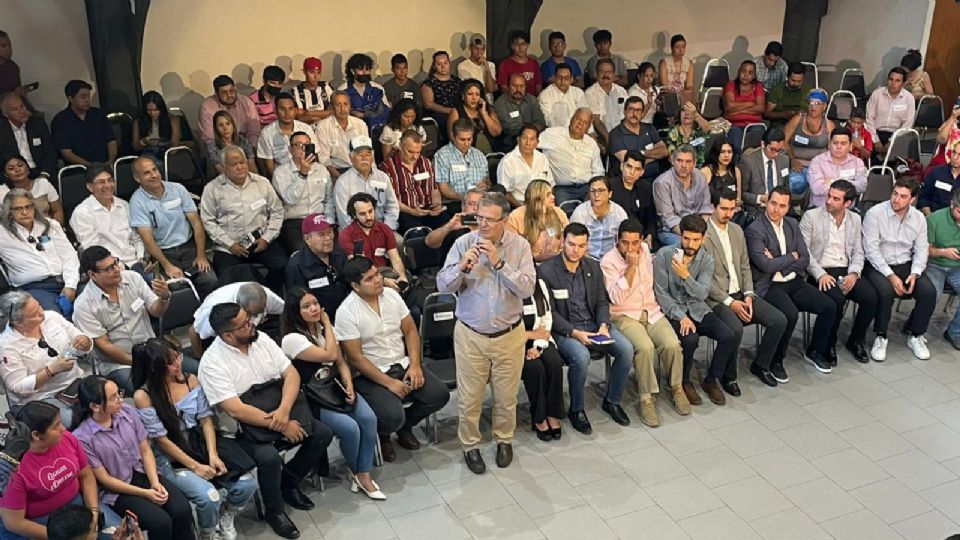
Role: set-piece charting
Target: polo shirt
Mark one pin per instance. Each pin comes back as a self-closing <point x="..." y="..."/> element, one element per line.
<point x="226" y="372"/>
<point x="166" y="215"/>
<point x="622" y="138"/>
<point x="376" y="245"/>
<point x="788" y="99"/>
<point x="943" y="232"/>
<point x="324" y="281"/>
<point x="413" y="188"/>
<point x="380" y="335"/>
<point x="461" y="171"/>
<point x="87" y="137"/>
<point x="937" y="188"/>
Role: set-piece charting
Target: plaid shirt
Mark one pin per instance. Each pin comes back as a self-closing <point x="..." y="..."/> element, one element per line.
<point x="771" y="77"/>
<point x="461" y="172"/>
<point x="413" y="188"/>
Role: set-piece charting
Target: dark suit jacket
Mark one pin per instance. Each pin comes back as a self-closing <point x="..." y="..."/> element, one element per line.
<point x="754" y="177"/>
<point x="552" y="273"/>
<point x="760" y="236"/>
<point x="44" y="154"/>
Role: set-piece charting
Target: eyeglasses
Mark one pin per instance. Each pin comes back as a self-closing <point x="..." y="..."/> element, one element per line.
<point x="117" y="398"/>
<point x="37" y="242"/>
<point x="599" y="191"/>
<point x="113" y="266"/>
<point x="51" y="352"/>
<point x="485" y="220"/>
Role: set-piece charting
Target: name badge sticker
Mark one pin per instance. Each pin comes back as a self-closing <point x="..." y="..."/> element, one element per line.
<point x="172" y="204"/>
<point x="421" y="176"/>
<point x="380" y="252"/>
<point x="258" y="204"/>
<point x="378" y="184"/>
<point x="899" y="108"/>
<point x="408" y="95"/>
<point x="36" y="141"/>
<point x="137" y="304"/>
<point x="940" y="184"/>
<point x="561" y="294"/>
<point x="458" y="167"/>
<point x="847" y="174"/>
<point x="648" y="147"/>
<point x="529" y="309"/>
<point x="318" y="283"/>
<point x="801" y="139"/>
<point x="514" y="114"/>
<point x="698" y="141"/>
<point x="784" y="172"/>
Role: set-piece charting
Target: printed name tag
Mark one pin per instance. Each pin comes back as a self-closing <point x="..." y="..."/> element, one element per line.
<point x="258" y="205"/>
<point x="458" y="167"/>
<point x="648" y="147"/>
<point x="801" y="139"/>
<point x="442" y="316"/>
<point x="698" y="141"/>
<point x="846" y="174"/>
<point x="170" y="205"/>
<point x="378" y="184"/>
<point x="943" y="185"/>
<point x="529" y="309"/>
<point x="36" y="141"/>
<point x="899" y="108"/>
<point x="561" y="294"/>
<point x="408" y="95"/>
<point x="379" y="252"/>
<point x="421" y="176"/>
<point x="785" y="172"/>
<point x="318" y="283"/>
<point x="136" y="305"/>
<point x="514" y="114"/>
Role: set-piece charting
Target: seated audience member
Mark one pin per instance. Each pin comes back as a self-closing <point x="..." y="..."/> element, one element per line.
<point x="313" y="95"/>
<point x="806" y="136"/>
<point x="517" y="109"/>
<point x="264" y="98"/>
<point x="443" y="238"/>
<point x="460" y="167"/>
<point x="334" y="134"/>
<point x="309" y="342"/>
<point x="363" y="177"/>
<point x="403" y="117"/>
<point x="779" y="257"/>
<point x="862" y="141"/>
<point x="81" y="133"/>
<point x="581" y="315"/>
<point x="602" y="39"/>
<point x="273" y="150"/>
<point x="634" y="196"/>
<point x="731" y="294"/>
<point x="401" y="86"/>
<point x="26" y="135"/>
<point x="943" y="234"/>
<point x="522" y="165"/>
<point x="9" y="70"/>
<point x="693" y="129"/>
<point x="256" y="300"/>
<point x="681" y="283"/>
<point x="115" y="441"/>
<point x="542" y="372"/>
<point x="303" y="186"/>
<point x="225" y="134"/>
<point x="771" y="67"/>
<point x="367" y="98"/>
<point x="76" y="522"/>
<point x="633" y="135"/>
<point x="540" y="221"/>
<point x="167" y="221"/>
<point x="889" y="108"/>
<point x="241" y="109"/>
<point x="917" y="81"/>
<point x="574" y="156"/>
<point x="678" y="192"/>
<point x="644" y="89"/>
<point x="240" y="359"/>
<point x="557" y="44"/>
<point x="176" y="415"/>
<point x="414" y="182"/>
<point x="788" y="98"/>
<point x="520" y="63"/>
<point x="676" y="71"/>
<point x="52" y="473"/>
<point x="561" y="99"/>
<point x="833" y="235"/>
<point x="476" y="66"/>
<point x="764" y="169"/>
<point x="114" y="310"/>
<point x="744" y="102"/>
<point x="601" y="217"/>
<point x="36" y="253"/>
<point x="379" y="243"/>
<point x="154" y="130"/>
<point x="385" y="351"/>
<point x="721" y="173"/>
<point x="837" y="163"/>
<point x="473" y="108"/>
<point x="940" y="184"/>
<point x="243" y="215"/>
<point x="16" y="174"/>
<point x="318" y="266"/>
<point x="896" y="247"/>
<point x="606" y="100"/>
<point x="440" y="91"/>
<point x="103" y="219"/>
<point x="628" y="275"/>
<point x="41" y="350"/>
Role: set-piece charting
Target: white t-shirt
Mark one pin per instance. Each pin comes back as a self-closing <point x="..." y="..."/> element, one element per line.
<point x="294" y="344"/>
<point x="380" y="335"/>
<point x="226" y="373"/>
<point x="468" y="70"/>
<point x="41" y="188"/>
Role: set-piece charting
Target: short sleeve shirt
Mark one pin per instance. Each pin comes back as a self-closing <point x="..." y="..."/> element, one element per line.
<point x="529" y="69"/>
<point x="87" y="138"/>
<point x="462" y="172"/>
<point x="45" y="482"/>
<point x="166" y="215"/>
<point x="376" y="245"/>
<point x="380" y="334"/>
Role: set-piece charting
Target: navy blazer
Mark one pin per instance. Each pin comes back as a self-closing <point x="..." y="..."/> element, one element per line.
<point x="760" y="237"/>
<point x="552" y="273"/>
<point x="42" y="150"/>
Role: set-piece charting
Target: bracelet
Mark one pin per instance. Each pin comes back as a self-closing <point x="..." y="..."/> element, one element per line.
<point x="49" y="371"/>
<point x="500" y="264"/>
<point x="94" y="509"/>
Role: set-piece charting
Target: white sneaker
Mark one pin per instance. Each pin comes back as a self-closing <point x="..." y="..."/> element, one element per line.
<point x="227" y="529"/>
<point x="918" y="344"/>
<point x="879" y="350"/>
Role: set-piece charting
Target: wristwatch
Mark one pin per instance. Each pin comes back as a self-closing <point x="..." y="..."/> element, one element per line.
<point x="499" y="265"/>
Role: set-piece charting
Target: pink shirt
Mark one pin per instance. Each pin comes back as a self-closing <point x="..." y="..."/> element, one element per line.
<point x="45" y="482"/>
<point x="742" y="119"/>
<point x="630" y="300"/>
<point x="244" y="114"/>
<point x="823" y="172"/>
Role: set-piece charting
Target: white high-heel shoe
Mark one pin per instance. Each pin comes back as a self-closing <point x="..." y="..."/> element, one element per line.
<point x="376" y="494"/>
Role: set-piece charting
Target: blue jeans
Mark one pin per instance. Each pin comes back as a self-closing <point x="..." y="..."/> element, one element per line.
<point x="668" y="238"/>
<point x="204" y="495"/>
<point x="798" y="181"/>
<point x="938" y="275"/>
<point x="577" y="357"/>
<point x="46" y="292"/>
<point x="110" y="521"/>
<point x="357" y="432"/>
<point x="572" y="192"/>
<point x="735" y="136"/>
<point x="66" y="411"/>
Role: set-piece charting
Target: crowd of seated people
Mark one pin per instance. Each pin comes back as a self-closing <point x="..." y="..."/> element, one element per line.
<point x="606" y="229"/>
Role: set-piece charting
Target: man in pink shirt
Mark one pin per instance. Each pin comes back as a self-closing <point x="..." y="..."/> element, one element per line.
<point x="628" y="275"/>
<point x="835" y="164"/>
<point x="241" y="108"/>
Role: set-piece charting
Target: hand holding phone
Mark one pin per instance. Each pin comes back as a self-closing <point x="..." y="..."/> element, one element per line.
<point x="357" y="248"/>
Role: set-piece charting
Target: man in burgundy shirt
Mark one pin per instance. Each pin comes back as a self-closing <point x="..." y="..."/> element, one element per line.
<point x="378" y="241"/>
<point x="415" y="184"/>
<point x="520" y="63"/>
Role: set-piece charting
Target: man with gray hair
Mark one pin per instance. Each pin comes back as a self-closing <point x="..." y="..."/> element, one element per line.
<point x="334" y="134"/>
<point x="256" y="300"/>
<point x="27" y="136"/>
<point x="573" y="155"/>
<point x="243" y="216"/>
<point x="678" y="192"/>
<point x="415" y="184"/>
<point x="943" y="233"/>
<point x="363" y="177"/>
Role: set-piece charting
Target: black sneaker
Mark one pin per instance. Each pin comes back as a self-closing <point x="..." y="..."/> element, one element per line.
<point x="818" y="361"/>
<point x="779" y="373"/>
<point x="953" y="340"/>
<point x="832" y="356"/>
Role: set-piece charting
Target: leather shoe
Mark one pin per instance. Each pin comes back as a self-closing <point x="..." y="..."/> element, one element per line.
<point x="296" y="498"/>
<point x="386" y="449"/>
<point x="765" y="375"/>
<point x="616" y="412"/>
<point x="713" y="392"/>
<point x="475" y="461"/>
<point x="282" y="525"/>
<point x="556" y="433"/>
<point x="859" y="352"/>
<point x="731" y="387"/>
<point x="578" y="419"/>
<point x="408" y="440"/>
<point x="504" y="455"/>
<point x="692" y="396"/>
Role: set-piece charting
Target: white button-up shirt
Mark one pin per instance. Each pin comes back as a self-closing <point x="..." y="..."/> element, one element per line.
<point x="333" y="141"/>
<point x="724" y="236"/>
<point x="609" y="107"/>
<point x="572" y="162"/>
<point x="514" y="174"/>
<point x="782" y="240"/>
<point x="558" y="107"/>
<point x="225" y="294"/>
<point x="23" y="143"/>
<point x="96" y="225"/>
<point x="23" y="358"/>
<point x="26" y="264"/>
<point x="275" y="144"/>
<point x="229" y="212"/>
<point x="380" y="334"/>
<point x="226" y="372"/>
<point x="888" y="240"/>
<point x="835" y="252"/>
<point x="301" y="196"/>
<point x="888" y="113"/>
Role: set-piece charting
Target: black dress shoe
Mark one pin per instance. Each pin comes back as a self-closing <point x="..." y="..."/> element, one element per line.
<point x="616" y="412"/>
<point x="779" y="373"/>
<point x="297" y="499"/>
<point x="731" y="387"/>
<point x="556" y="433"/>
<point x="544" y="435"/>
<point x="578" y="419"/>
<point x="765" y="375"/>
<point x="818" y="361"/>
<point x="859" y="352"/>
<point x="282" y="525"/>
<point x="832" y="356"/>
<point x="504" y="455"/>
<point x="475" y="461"/>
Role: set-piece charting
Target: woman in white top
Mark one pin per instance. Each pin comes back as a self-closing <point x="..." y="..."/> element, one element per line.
<point x="402" y="117"/>
<point x="676" y="70"/>
<point x="646" y="91"/>
<point x="36" y="253"/>
<point x="39" y="351"/>
<point x="16" y="174"/>
<point x="543" y="368"/>
<point x="523" y="164"/>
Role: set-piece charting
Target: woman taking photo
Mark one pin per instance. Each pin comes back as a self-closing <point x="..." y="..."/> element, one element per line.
<point x="226" y="135"/>
<point x="539" y="220"/>
<point x="154" y="131"/>
<point x="542" y="367"/>
<point x="693" y="129"/>
<point x="722" y="175"/>
<point x="16" y="174"/>
<point x="403" y="116"/>
<point x="486" y="126"/>
<point x="177" y="417"/>
<point x="644" y="89"/>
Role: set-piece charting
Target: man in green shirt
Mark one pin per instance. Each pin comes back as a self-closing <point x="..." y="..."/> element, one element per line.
<point x="943" y="234"/>
<point x="788" y="98"/>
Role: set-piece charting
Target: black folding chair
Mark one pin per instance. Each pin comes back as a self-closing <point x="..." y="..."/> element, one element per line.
<point x="123" y="176"/>
<point x="436" y="336"/>
<point x="417" y="256"/>
<point x="180" y="166"/>
<point x="72" y="185"/>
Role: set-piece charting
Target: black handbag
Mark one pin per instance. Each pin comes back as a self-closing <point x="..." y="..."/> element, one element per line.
<point x="266" y="397"/>
<point x="237" y="460"/>
<point x="325" y="390"/>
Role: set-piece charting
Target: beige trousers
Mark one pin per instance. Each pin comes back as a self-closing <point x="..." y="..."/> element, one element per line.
<point x="648" y="338"/>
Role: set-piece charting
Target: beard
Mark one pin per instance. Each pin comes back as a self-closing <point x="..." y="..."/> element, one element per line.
<point x="252" y="339"/>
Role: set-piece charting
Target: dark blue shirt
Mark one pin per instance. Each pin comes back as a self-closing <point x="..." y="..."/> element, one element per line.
<point x="579" y="313"/>
<point x="622" y="138"/>
<point x="326" y="282"/>
<point x="937" y="188"/>
<point x="548" y="68"/>
<point x="87" y="138"/>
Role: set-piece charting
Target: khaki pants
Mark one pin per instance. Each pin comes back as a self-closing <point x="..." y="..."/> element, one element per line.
<point x="648" y="338"/>
<point x="481" y="359"/>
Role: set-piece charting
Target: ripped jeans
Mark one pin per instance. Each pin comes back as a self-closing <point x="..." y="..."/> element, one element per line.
<point x="205" y="496"/>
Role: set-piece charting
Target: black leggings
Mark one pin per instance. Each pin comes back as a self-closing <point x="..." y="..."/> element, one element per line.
<point x="159" y="521"/>
<point x="543" y="380"/>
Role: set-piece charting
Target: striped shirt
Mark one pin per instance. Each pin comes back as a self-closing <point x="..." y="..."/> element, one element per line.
<point x="312" y="100"/>
<point x="415" y="187"/>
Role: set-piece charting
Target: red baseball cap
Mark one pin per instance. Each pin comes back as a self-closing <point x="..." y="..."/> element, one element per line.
<point x="312" y="63"/>
<point x="314" y="223"/>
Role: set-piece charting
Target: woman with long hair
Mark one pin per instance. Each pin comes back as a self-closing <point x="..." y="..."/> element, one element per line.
<point x="744" y="102"/>
<point x="721" y="172"/>
<point x="542" y="367"/>
<point x="473" y="106"/>
<point x="403" y="116"/>
<point x="154" y="131"/>
<point x="177" y="417"/>
<point x="226" y="134"/>
<point x="917" y="81"/>
<point x="16" y="174"/>
<point x="644" y="89"/>
<point x="539" y="220"/>
<point x="676" y="70"/>
<point x="440" y="92"/>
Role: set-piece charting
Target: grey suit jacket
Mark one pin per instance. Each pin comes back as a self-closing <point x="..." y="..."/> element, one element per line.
<point x="815" y="227"/>
<point x="720" y="284"/>
<point x="755" y="177"/>
<point x="761" y="236"/>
